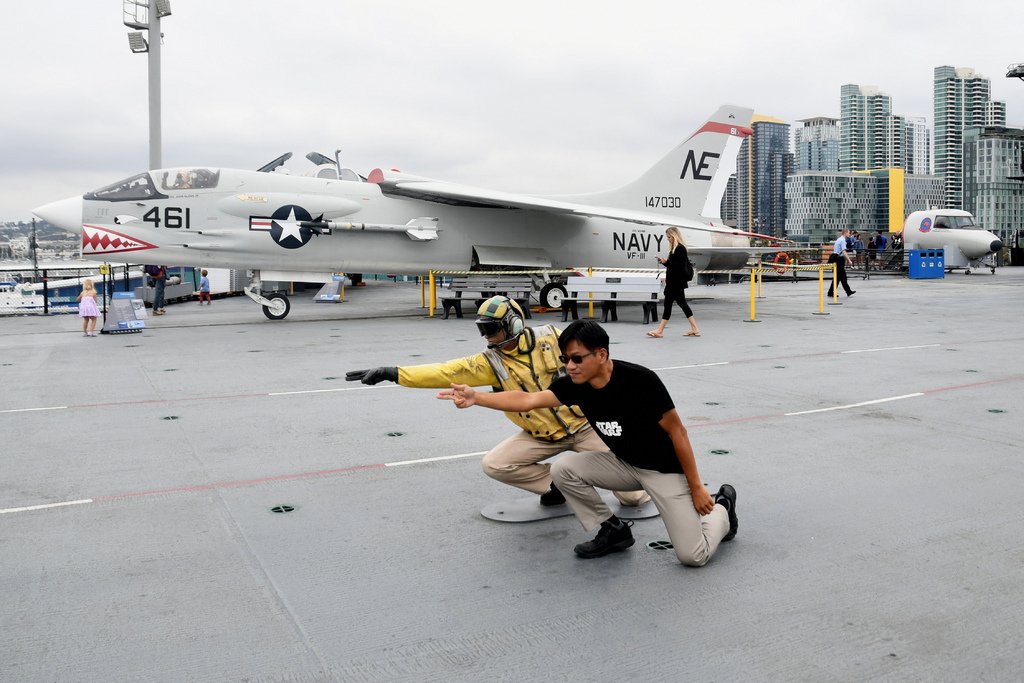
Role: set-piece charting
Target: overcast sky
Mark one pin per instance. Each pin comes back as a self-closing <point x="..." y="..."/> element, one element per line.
<point x="542" y="97"/>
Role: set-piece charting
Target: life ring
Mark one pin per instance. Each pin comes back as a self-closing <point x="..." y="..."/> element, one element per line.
<point x="784" y="257"/>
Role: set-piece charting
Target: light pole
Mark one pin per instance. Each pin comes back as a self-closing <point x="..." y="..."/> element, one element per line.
<point x="146" y="14"/>
<point x="1017" y="71"/>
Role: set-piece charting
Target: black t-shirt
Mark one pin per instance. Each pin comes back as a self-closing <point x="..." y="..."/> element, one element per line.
<point x="626" y="412"/>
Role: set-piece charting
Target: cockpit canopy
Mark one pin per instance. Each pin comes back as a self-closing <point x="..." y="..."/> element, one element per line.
<point x="141" y="187"/>
<point x="136" y="188"/>
<point x="330" y="172"/>
<point x="956" y="222"/>
<point x="189" y="178"/>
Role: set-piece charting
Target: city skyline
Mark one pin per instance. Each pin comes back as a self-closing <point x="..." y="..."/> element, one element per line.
<point x="534" y="98"/>
<point x="869" y="92"/>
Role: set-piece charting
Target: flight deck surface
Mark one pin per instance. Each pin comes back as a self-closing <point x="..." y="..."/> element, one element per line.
<point x="876" y="453"/>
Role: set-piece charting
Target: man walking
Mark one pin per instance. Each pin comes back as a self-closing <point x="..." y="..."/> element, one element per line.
<point x="841" y="257"/>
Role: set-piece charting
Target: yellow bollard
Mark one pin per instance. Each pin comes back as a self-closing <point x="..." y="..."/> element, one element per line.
<point x="753" y="298"/>
<point x="821" y="291"/>
<point x="835" y="288"/>
<point x="433" y="295"/>
<point x="590" y="295"/>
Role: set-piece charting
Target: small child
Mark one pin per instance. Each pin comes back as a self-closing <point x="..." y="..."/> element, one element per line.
<point x="87" y="308"/>
<point x="204" y="289"/>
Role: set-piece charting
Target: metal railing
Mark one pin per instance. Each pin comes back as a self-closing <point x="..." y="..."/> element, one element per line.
<point x="54" y="290"/>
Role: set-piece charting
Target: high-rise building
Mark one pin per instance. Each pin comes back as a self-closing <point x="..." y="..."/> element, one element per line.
<point x="919" y="160"/>
<point x="730" y="203"/>
<point x="817" y="144"/>
<point x="993" y="157"/>
<point x="864" y="112"/>
<point x="962" y="99"/>
<point x="762" y="166"/>
<point x="871" y="136"/>
<point x="894" y="151"/>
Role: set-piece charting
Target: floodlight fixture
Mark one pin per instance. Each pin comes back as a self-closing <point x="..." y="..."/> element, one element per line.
<point x="163" y="8"/>
<point x="136" y="14"/>
<point x="136" y="42"/>
<point x="1015" y="71"/>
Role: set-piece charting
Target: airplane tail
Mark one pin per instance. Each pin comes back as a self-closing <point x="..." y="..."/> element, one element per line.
<point x="691" y="179"/>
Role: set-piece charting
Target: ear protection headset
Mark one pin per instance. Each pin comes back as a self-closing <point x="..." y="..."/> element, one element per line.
<point x="505" y="312"/>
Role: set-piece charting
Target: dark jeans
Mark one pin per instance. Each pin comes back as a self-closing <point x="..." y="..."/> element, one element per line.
<point x="158" y="293"/>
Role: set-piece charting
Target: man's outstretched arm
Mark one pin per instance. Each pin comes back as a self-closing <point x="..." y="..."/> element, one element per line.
<point x="464" y="396"/>
<point x="472" y="370"/>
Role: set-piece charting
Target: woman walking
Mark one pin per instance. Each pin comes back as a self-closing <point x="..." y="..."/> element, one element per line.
<point x="675" y="283"/>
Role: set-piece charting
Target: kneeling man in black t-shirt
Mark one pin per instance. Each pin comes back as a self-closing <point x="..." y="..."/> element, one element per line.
<point x="632" y="410"/>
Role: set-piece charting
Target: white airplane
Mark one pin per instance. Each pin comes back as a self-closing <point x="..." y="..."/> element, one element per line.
<point x="967" y="245"/>
<point x="337" y="221"/>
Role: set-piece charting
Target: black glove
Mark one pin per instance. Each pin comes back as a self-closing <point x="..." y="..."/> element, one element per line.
<point x="373" y="375"/>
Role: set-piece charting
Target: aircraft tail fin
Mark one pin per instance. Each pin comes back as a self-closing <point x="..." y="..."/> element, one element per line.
<point x="690" y="180"/>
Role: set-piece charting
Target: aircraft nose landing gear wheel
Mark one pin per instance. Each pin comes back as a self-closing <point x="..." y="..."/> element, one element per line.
<point x="278" y="307"/>
<point x="551" y="295"/>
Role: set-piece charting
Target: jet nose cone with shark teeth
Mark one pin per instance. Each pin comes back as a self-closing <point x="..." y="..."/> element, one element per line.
<point x="66" y="214"/>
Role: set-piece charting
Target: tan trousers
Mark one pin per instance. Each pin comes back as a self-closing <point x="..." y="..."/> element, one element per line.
<point x="516" y="461"/>
<point x="694" y="538"/>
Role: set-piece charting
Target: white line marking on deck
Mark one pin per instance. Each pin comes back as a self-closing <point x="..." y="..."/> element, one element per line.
<point x="697" y="365"/>
<point x="855" y="405"/>
<point x="437" y="459"/>
<point x="45" y="507"/>
<point x="28" y="410"/>
<point x="891" y="348"/>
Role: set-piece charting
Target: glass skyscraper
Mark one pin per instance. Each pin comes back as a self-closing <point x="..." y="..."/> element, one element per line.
<point x="962" y="99"/>
<point x="919" y="158"/>
<point x="763" y="164"/>
<point x="993" y="158"/>
<point x="817" y="144"/>
<point x="865" y="126"/>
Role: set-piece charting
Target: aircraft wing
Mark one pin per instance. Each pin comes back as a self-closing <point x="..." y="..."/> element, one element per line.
<point x="415" y="187"/>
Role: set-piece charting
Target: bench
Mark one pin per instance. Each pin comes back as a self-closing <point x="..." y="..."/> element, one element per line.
<point x="610" y="292"/>
<point x="515" y="287"/>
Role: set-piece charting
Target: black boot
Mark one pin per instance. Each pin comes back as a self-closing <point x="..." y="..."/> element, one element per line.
<point x="726" y="497"/>
<point x="552" y="497"/>
<point x="613" y="536"/>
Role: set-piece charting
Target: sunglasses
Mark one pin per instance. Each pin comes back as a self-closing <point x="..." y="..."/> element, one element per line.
<point x="576" y="358"/>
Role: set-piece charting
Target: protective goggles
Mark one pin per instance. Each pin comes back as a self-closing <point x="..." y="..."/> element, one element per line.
<point x="489" y="328"/>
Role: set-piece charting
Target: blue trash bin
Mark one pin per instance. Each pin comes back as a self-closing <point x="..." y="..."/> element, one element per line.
<point x="926" y="263"/>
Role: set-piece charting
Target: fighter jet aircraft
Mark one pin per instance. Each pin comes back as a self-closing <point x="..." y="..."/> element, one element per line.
<point x="967" y="245"/>
<point x="334" y="220"/>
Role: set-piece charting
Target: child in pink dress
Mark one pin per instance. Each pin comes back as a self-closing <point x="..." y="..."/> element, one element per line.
<point x="87" y="308"/>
